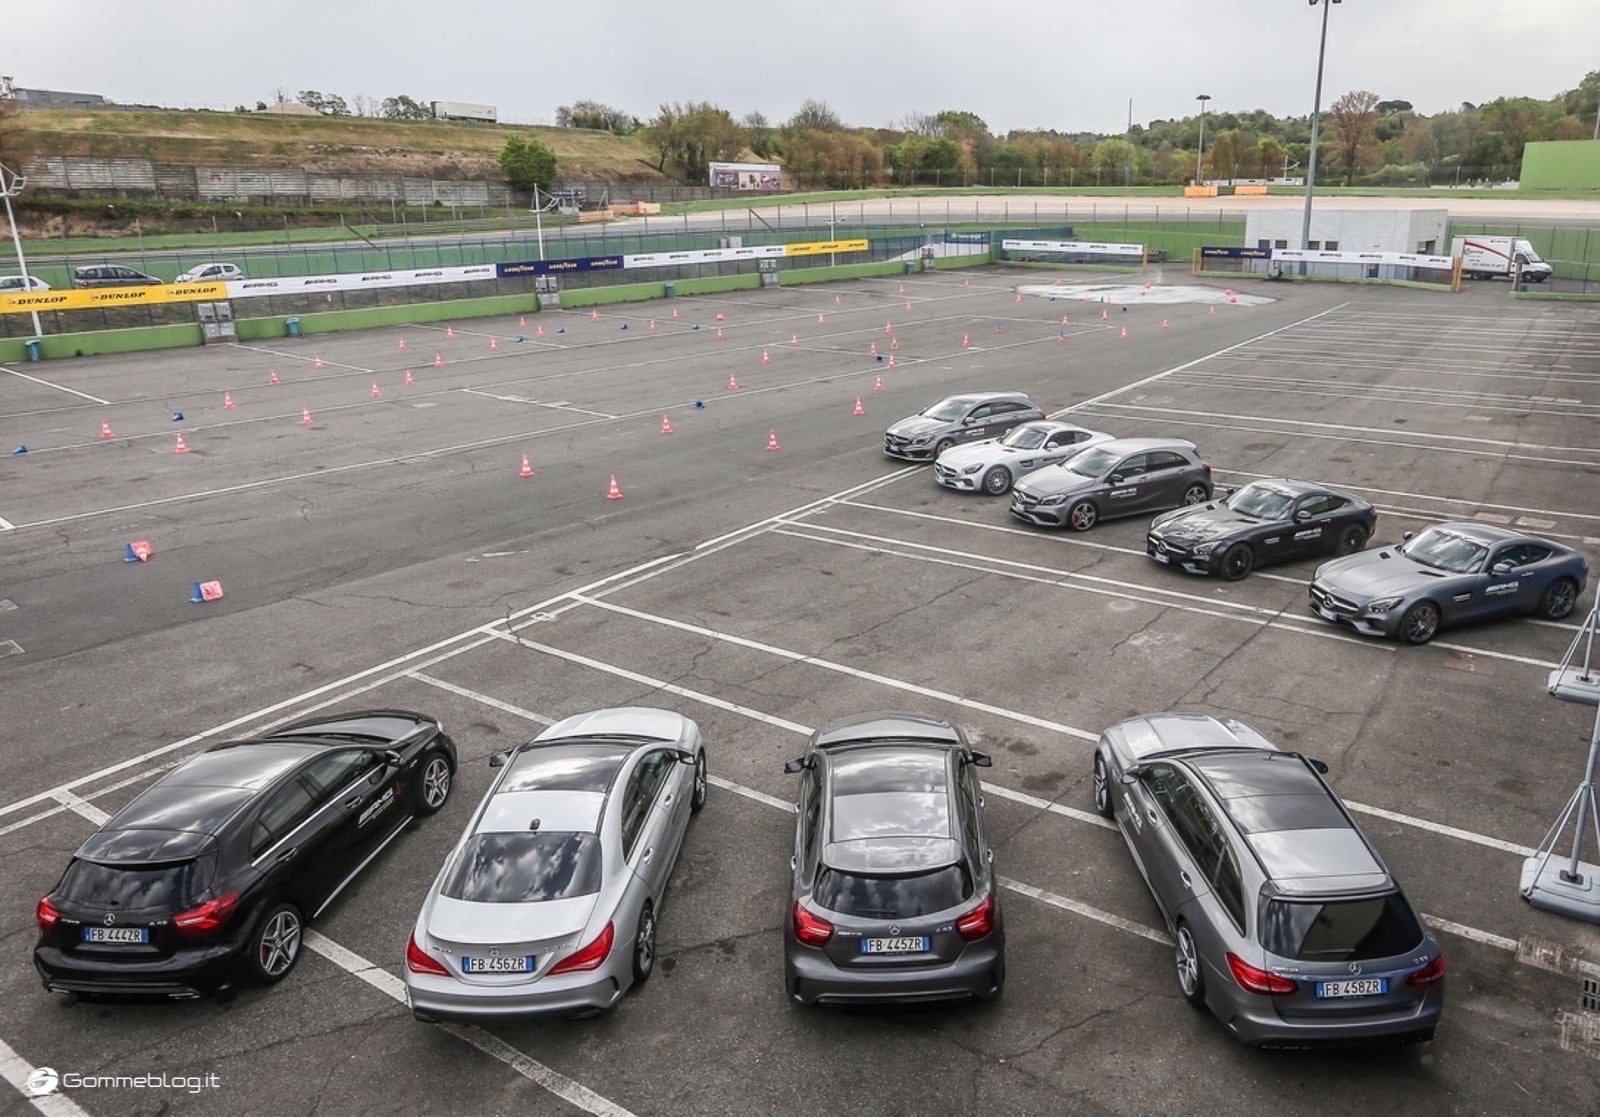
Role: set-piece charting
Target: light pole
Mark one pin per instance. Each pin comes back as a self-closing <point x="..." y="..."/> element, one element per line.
<point x="1316" y="121"/>
<point x="1200" y="155"/>
<point x="8" y="187"/>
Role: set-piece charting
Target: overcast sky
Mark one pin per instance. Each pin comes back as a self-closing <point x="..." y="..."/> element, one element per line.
<point x="1072" y="65"/>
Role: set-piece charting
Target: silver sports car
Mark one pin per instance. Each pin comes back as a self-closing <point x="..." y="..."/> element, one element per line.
<point x="994" y="464"/>
<point x="1448" y="574"/>
<point x="549" y="902"/>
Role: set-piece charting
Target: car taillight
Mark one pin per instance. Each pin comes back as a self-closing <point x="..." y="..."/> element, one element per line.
<point x="589" y="957"/>
<point x="47" y="915"/>
<point x="811" y="930"/>
<point x="1252" y="980"/>
<point x="1431" y="974"/>
<point x="206" y="917"/>
<point x="1206" y="466"/>
<point x="979" y="921"/>
<point x="420" y="961"/>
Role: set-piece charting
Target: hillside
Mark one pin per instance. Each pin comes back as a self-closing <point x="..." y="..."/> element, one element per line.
<point x="324" y="144"/>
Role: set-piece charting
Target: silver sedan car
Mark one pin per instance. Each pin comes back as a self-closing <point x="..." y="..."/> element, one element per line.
<point x="549" y="902"/>
<point x="995" y="464"/>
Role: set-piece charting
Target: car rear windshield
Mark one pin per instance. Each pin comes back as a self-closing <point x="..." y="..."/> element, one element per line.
<point x="1341" y="931"/>
<point x="892" y="897"/>
<point x="520" y="868"/>
<point x="172" y="886"/>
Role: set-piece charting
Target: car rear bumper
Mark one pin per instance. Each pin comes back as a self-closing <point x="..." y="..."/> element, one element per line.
<point x="184" y="976"/>
<point x="1261" y="1026"/>
<point x="812" y="978"/>
<point x="438" y="999"/>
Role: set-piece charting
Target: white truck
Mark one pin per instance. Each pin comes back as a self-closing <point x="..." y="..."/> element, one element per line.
<point x="1485" y="257"/>
<point x="463" y="110"/>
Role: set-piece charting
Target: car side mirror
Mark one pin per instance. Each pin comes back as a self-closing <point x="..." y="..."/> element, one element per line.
<point x="1322" y="769"/>
<point x="1302" y="516"/>
<point x="969" y="420"/>
<point x="392" y="757"/>
<point x="1130" y="775"/>
<point x="1230" y="490"/>
<point x="980" y="759"/>
<point x="1115" y="479"/>
<point x="1503" y="567"/>
<point x="798" y="764"/>
<point x="1406" y="536"/>
<point x="684" y="756"/>
<point x="498" y="759"/>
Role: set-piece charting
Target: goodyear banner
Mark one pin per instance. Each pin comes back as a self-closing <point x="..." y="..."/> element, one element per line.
<point x="1229" y="252"/>
<point x="97" y="297"/>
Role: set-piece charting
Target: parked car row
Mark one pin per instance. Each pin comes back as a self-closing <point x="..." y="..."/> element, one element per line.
<point x="1063" y="476"/>
<point x="121" y="275"/>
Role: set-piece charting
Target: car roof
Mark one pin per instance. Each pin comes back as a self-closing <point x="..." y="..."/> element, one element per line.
<point x="1487" y="534"/>
<point x="987" y="397"/>
<point x="889" y="808"/>
<point x="166" y="823"/>
<point x="249" y="765"/>
<point x="1158" y="734"/>
<point x="619" y="721"/>
<point x="557" y="811"/>
<point x="1289" y="485"/>
<point x="1134" y="445"/>
<point x="889" y="725"/>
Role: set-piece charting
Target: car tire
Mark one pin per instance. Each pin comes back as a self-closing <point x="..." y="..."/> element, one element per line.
<point x="1083" y="515"/>
<point x="1102" y="788"/>
<point x="1196" y="494"/>
<point x="1186" y="961"/>
<point x="1237" y="562"/>
<point x="1559" y="600"/>
<point x="275" y="945"/>
<point x="644" y="944"/>
<point x="1351" y="540"/>
<point x="942" y="445"/>
<point x="435" y="783"/>
<point x="1420" y="623"/>
<point x="697" y="798"/>
<point x="997" y="481"/>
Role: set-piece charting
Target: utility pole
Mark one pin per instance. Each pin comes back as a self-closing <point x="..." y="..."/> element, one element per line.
<point x="9" y="187"/>
<point x="1316" y="121"/>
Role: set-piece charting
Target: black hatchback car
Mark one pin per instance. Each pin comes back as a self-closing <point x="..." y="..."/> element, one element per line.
<point x="210" y="876"/>
<point x="894" y="897"/>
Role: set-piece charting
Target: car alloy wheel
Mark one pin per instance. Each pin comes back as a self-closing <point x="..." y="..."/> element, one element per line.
<point x="698" y="798"/>
<point x="1237" y="562"/>
<point x="943" y="445"/>
<point x="1559" y="599"/>
<point x="1083" y="516"/>
<point x="1351" y="540"/>
<point x="997" y="480"/>
<point x="1196" y="494"/>
<point x="277" y="943"/>
<point x="435" y="784"/>
<point x="1420" y="623"/>
<point x="644" y="944"/>
<point x="1102" y="787"/>
<point x="1186" y="956"/>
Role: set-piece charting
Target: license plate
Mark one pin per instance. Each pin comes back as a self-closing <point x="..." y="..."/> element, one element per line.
<point x="894" y="946"/>
<point x="1159" y="557"/>
<point x="1360" y="987"/>
<point x="116" y="934"/>
<point x="523" y="964"/>
<point x="1330" y="615"/>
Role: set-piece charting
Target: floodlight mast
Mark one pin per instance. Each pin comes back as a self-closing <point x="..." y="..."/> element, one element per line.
<point x="1316" y="121"/>
<point x="1199" y="156"/>
<point x="8" y="187"/>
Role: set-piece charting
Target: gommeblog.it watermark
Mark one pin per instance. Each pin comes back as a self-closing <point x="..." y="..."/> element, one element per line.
<point x="45" y="1080"/>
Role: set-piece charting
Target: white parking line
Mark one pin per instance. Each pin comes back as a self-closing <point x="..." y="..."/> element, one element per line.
<point x="476" y="697"/>
<point x="57" y="387"/>
<point x="17" y="1070"/>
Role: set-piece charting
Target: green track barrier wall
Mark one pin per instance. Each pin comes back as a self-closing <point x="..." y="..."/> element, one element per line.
<point x="102" y="342"/>
<point x="336" y="321"/>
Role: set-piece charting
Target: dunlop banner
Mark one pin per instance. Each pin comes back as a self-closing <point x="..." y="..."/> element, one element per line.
<point x="94" y="297"/>
<point x="823" y="247"/>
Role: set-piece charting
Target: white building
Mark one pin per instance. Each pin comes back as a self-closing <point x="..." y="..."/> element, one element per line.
<point x="1352" y="230"/>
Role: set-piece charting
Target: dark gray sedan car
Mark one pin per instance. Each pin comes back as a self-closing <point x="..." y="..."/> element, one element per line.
<point x="1269" y="521"/>
<point x="1118" y="478"/>
<point x="894" y="897"/>
<point x="1286" y="923"/>
<point x="1449" y="574"/>
<point x="970" y="417"/>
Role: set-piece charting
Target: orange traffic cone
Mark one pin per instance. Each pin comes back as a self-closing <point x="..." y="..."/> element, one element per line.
<point x="1105" y="315"/>
<point x="652" y="325"/>
<point x="438" y="361"/>
<point x="720" y="316"/>
<point x="1064" y="321"/>
<point x="493" y="345"/>
<point x="1164" y="325"/>
<point x="878" y="385"/>
<point x="227" y="401"/>
<point x="539" y="331"/>
<point x="908" y="306"/>
<point x="1019" y="296"/>
<point x="375" y="393"/>
<point x="772" y="441"/>
<point x="966" y="283"/>
<point x="408" y="377"/>
<point x="719" y="333"/>
<point x="527" y="467"/>
<point x="965" y="341"/>
<point x="1233" y="298"/>
<point x="273" y="379"/>
<point x="1211" y="312"/>
<point x="902" y="288"/>
<point x="666" y="425"/>
<point x="733" y="384"/>
<point x="522" y="322"/>
<point x="402" y="345"/>
<point x="449" y="331"/>
<point x="594" y="315"/>
<point x="794" y="339"/>
<point x="836" y="300"/>
<point x="766" y="358"/>
<point x="820" y="319"/>
<point x="872" y="350"/>
<point x="105" y="430"/>
<point x="180" y="448"/>
<point x="895" y="344"/>
<point x="305" y="416"/>
<point x="674" y="314"/>
<point x="1228" y="291"/>
<point x="317" y="363"/>
<point x="1124" y="331"/>
<point x="891" y="360"/>
<point x="613" y="493"/>
<point x="888" y="327"/>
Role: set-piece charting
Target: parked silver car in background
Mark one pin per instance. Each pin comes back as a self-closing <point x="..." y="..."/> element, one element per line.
<point x="211" y="273"/>
<point x="969" y="417"/>
<point x="549" y="902"/>
<point x="1118" y="478"/>
<point x="16" y="284"/>
<point x="995" y="464"/>
<point x="1287" y="924"/>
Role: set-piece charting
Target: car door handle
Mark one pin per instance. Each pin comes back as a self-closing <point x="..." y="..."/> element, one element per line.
<point x="1183" y="875"/>
<point x="649" y="853"/>
<point x="667" y="802"/>
<point x="794" y="864"/>
<point x="1154" y="819"/>
<point x="353" y="801"/>
<point x="288" y="854"/>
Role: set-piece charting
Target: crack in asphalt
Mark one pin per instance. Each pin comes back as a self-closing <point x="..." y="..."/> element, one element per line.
<point x="698" y="947"/>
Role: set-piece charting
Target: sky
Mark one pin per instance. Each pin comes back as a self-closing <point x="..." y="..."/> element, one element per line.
<point x="1070" y="65"/>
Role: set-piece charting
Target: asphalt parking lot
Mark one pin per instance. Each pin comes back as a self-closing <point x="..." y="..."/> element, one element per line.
<point x="388" y="553"/>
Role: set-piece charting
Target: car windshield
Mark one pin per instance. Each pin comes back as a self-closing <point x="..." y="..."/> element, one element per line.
<point x="892" y="897"/>
<point x="1025" y="437"/>
<point x="1342" y="931"/>
<point x="1262" y="502"/>
<point x="525" y="867"/>
<point x="947" y="410"/>
<point x="1445" y="550"/>
<point x="167" y="887"/>
<point x="1093" y="463"/>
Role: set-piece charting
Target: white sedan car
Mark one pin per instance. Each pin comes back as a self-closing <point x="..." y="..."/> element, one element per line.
<point x="994" y="465"/>
<point x="211" y="273"/>
<point x="16" y="283"/>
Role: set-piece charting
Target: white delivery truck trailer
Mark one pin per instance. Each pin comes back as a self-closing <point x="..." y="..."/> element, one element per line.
<point x="463" y="110"/>
<point x="1485" y="257"/>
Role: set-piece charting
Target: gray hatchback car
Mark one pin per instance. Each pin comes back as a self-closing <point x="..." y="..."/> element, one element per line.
<point x="1287" y="924"/>
<point x="1118" y="478"/>
<point x="954" y="420"/>
<point x="894" y="897"/>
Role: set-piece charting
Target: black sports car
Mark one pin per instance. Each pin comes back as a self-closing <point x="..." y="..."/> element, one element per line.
<point x="1264" y="522"/>
<point x="211" y="875"/>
